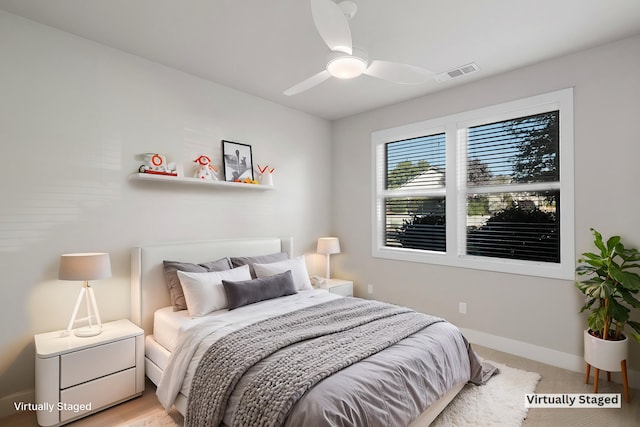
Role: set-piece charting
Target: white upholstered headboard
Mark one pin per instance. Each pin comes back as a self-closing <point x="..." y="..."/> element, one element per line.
<point x="148" y="289"/>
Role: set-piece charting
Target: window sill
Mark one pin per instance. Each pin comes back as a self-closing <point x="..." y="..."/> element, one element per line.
<point x="499" y="265"/>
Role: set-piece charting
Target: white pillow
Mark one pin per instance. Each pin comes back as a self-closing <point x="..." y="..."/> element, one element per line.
<point x="298" y="270"/>
<point x="204" y="292"/>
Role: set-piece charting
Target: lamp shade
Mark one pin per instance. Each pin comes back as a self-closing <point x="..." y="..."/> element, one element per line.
<point x="86" y="266"/>
<point x="328" y="245"/>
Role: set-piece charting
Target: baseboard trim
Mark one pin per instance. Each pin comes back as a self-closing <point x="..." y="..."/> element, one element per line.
<point x="7" y="403"/>
<point x="538" y="353"/>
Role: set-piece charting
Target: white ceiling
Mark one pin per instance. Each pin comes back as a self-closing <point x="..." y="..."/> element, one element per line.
<point x="263" y="47"/>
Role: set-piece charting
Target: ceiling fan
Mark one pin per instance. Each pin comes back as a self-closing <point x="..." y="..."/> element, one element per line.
<point x="346" y="61"/>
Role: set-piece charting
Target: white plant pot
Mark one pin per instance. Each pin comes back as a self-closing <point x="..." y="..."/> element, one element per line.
<point x="603" y="354"/>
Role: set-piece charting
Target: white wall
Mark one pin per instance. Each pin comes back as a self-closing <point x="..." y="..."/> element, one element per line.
<point x="518" y="313"/>
<point x="73" y="117"/>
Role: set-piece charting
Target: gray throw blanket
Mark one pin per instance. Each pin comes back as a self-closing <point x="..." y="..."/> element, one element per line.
<point x="316" y="342"/>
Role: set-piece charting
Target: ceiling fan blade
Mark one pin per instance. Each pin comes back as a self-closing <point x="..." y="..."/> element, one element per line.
<point x="398" y="73"/>
<point x="332" y="25"/>
<point x="308" y="83"/>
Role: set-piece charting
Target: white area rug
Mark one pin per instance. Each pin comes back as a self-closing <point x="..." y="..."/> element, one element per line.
<point x="498" y="403"/>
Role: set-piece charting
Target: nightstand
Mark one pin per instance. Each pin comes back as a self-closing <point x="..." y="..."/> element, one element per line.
<point x="338" y="286"/>
<point x="77" y="376"/>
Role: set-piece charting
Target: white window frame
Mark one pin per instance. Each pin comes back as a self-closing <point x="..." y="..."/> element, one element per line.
<point x="455" y="191"/>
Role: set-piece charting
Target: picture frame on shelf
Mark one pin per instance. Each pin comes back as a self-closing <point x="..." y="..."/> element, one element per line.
<point x="237" y="161"/>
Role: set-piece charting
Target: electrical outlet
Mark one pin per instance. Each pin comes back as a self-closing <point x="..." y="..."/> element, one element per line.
<point x="462" y="307"/>
<point x="369" y="289"/>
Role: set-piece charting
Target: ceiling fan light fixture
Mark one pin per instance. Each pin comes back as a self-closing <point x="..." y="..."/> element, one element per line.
<point x="343" y="66"/>
<point x="346" y="61"/>
<point x="346" y="67"/>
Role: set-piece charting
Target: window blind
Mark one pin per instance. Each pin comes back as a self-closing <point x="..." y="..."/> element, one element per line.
<point x="520" y="224"/>
<point x="522" y="150"/>
<point x="416" y="166"/>
<point x="416" y="163"/>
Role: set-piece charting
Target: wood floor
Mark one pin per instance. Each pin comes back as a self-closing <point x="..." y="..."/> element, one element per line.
<point x="554" y="380"/>
<point x="125" y="414"/>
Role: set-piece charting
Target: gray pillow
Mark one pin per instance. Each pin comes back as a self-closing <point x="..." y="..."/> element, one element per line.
<point x="249" y="291"/>
<point x="173" y="282"/>
<point x="262" y="259"/>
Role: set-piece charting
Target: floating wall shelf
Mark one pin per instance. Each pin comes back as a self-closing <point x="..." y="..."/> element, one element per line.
<point x="196" y="181"/>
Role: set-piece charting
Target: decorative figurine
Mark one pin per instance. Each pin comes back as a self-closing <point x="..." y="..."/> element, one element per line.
<point x="205" y="169"/>
<point x="157" y="164"/>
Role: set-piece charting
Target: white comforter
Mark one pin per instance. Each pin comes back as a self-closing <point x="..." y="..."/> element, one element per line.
<point x="195" y="341"/>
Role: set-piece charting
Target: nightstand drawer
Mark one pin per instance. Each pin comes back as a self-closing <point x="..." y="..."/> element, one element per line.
<point x="96" y="394"/>
<point x="85" y="365"/>
<point x="345" y="290"/>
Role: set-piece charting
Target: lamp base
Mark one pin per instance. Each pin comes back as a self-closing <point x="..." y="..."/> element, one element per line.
<point x="328" y="264"/>
<point x="89" y="331"/>
<point x="86" y="293"/>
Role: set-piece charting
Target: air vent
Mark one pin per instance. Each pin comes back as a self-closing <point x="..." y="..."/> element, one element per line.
<point x="457" y="72"/>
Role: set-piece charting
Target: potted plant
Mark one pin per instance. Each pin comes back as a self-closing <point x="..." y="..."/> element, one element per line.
<point x="610" y="285"/>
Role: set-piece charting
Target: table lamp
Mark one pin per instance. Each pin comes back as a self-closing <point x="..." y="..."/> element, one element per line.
<point x="84" y="267"/>
<point x="328" y="246"/>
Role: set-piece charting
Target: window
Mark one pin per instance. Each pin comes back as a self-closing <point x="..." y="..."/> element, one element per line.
<point x="415" y="169"/>
<point x="481" y="189"/>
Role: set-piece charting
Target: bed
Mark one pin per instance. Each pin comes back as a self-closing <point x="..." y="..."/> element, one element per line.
<point x="169" y="332"/>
